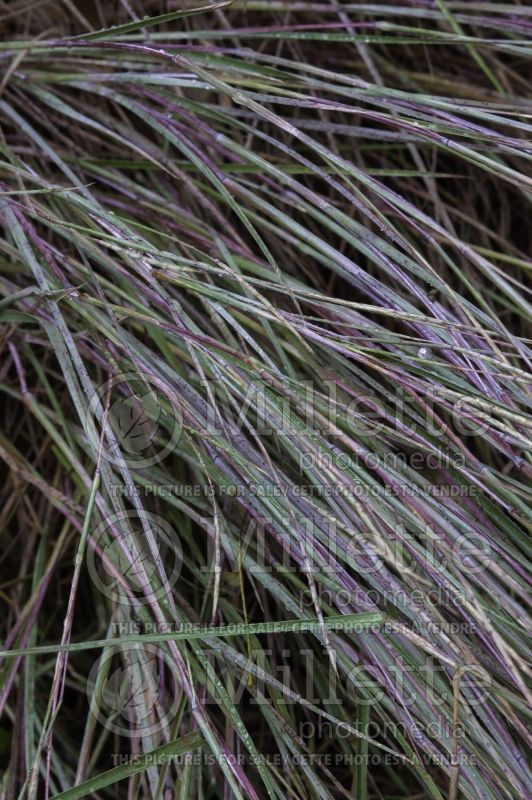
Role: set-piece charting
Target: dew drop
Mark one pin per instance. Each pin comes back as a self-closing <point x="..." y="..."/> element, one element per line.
<point x="424" y="352"/>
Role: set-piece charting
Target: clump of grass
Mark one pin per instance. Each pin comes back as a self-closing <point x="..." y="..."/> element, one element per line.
<point x="266" y="399"/>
